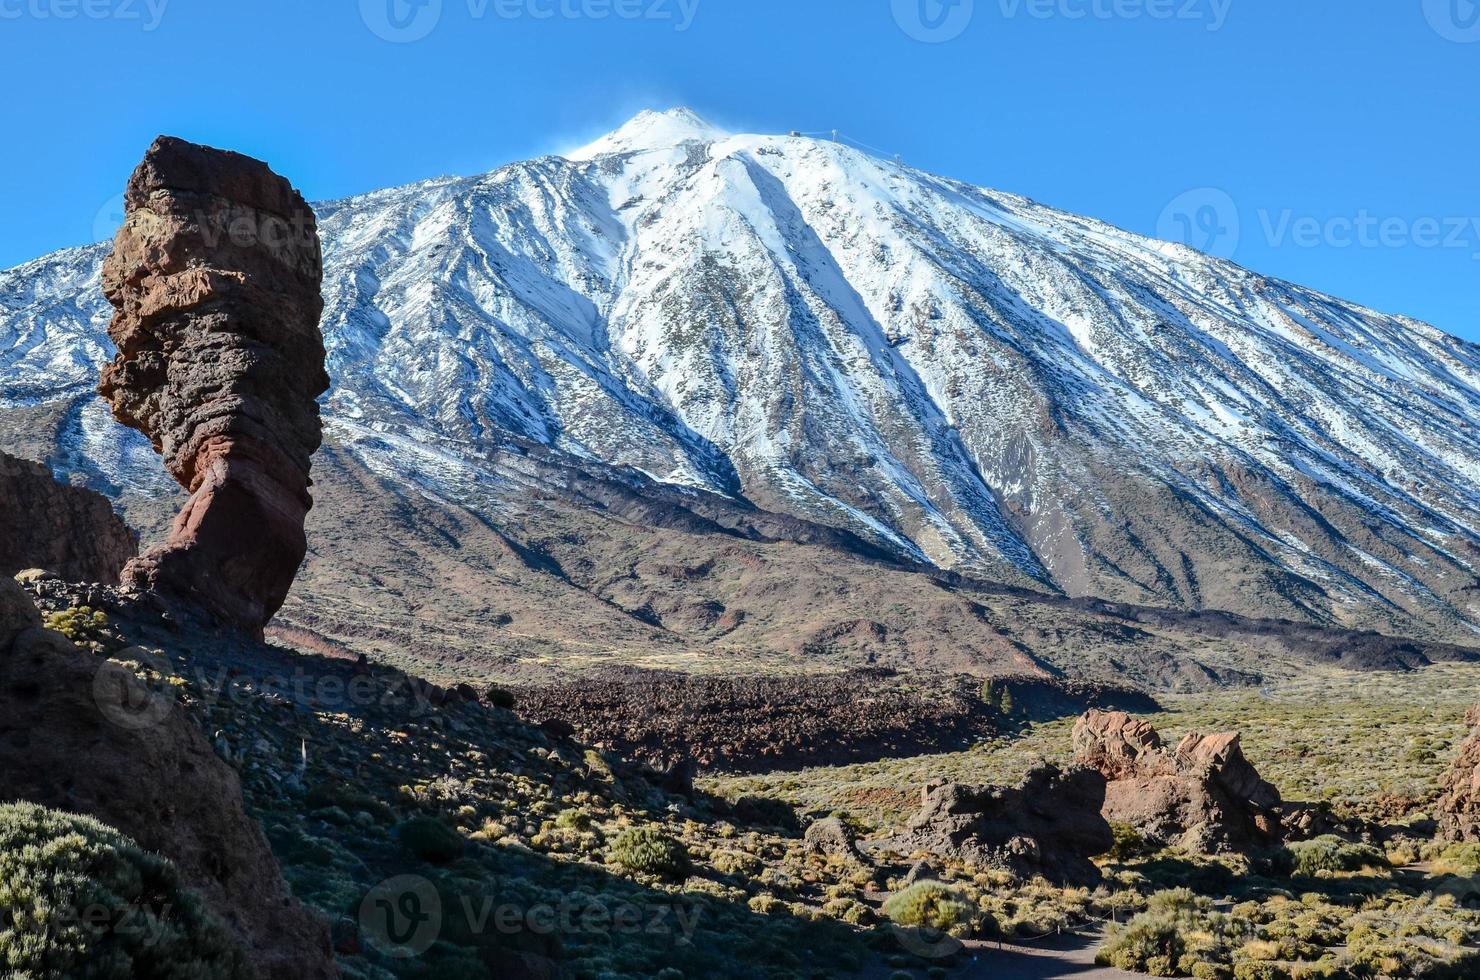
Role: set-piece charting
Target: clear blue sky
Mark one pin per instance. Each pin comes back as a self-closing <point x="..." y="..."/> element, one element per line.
<point x="1304" y="116"/>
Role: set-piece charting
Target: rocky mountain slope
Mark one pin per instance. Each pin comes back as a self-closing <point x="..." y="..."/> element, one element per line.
<point x="898" y="365"/>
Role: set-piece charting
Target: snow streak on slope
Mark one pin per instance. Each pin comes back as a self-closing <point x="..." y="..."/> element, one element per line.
<point x="962" y="376"/>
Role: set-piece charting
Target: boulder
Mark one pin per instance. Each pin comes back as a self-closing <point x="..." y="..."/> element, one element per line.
<point x="79" y="733"/>
<point x="1049" y="825"/>
<point x="1458" y="810"/>
<point x="214" y="278"/>
<point x="1202" y="797"/>
<point x="1115" y="743"/>
<point x="831" y="836"/>
<point x="1222" y="759"/>
<point x="70" y="532"/>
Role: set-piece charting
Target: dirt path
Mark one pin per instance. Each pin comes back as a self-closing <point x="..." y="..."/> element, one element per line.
<point x="1070" y="957"/>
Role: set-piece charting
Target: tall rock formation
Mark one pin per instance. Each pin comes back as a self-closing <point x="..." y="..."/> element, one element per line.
<point x="1203" y="796"/>
<point x="215" y="278"/>
<point x="1459" y="806"/>
<point x="67" y="530"/>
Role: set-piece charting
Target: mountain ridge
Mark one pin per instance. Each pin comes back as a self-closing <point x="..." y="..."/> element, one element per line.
<point x="959" y="377"/>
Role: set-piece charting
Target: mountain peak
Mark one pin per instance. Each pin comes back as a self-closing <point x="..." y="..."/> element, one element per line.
<point x="652" y="130"/>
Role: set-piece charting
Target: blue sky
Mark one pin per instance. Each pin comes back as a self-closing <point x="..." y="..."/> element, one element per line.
<point x="1329" y="142"/>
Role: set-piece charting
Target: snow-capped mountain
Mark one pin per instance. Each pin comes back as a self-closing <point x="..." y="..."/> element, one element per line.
<point x="963" y="377"/>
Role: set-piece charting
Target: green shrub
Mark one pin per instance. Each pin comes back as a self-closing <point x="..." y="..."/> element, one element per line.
<point x="736" y="863"/>
<point x="650" y="851"/>
<point x="82" y="625"/>
<point x="1459" y="859"/>
<point x="1128" y="842"/>
<point x="431" y="840"/>
<point x="78" y="899"/>
<point x="1178" y="935"/>
<point x="1332" y="854"/>
<point x="574" y="819"/>
<point x="928" y="905"/>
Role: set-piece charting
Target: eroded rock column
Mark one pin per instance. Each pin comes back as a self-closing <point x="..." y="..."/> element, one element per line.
<point x="215" y="280"/>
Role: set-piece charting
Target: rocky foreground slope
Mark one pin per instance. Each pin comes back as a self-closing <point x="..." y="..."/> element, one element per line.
<point x="81" y="734"/>
<point x="952" y="376"/>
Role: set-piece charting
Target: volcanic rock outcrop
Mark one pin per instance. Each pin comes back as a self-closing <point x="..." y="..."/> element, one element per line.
<point x="215" y="278"/>
<point x="82" y="734"/>
<point x="831" y="836"/>
<point x="67" y="530"/>
<point x="1048" y="825"/>
<point x="1459" y="804"/>
<point x="1204" y="796"/>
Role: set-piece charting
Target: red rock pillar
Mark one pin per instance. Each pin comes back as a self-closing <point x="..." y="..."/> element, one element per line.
<point x="215" y="280"/>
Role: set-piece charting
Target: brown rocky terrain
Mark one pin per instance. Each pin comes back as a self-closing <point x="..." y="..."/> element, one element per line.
<point x="69" y="531"/>
<point x="82" y="734"/>
<point x="756" y="723"/>
<point x="1203" y="796"/>
<point x="215" y="279"/>
<point x="618" y="570"/>
<point x="1459" y="804"/>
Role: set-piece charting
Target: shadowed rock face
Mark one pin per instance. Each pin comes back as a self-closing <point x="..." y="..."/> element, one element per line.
<point x="1203" y="797"/>
<point x="82" y="734"/>
<point x="1459" y="806"/>
<point x="214" y="278"/>
<point x="1049" y="824"/>
<point x="67" y="530"/>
